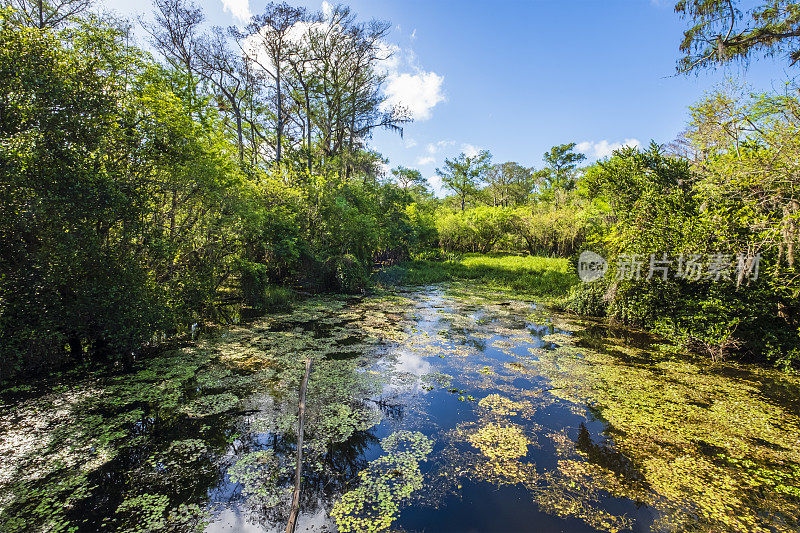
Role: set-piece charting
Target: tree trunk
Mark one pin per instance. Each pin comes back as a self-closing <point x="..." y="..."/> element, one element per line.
<point x="308" y="122"/>
<point x="280" y="110"/>
<point x="298" y="472"/>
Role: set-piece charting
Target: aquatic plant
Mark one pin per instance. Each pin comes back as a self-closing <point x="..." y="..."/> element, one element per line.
<point x="374" y="504"/>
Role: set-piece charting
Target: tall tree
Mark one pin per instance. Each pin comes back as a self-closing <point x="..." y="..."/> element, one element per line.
<point x="46" y="13"/>
<point x="464" y="174"/>
<point x="406" y="177"/>
<point x="720" y="32"/>
<point x="561" y="161"/>
<point x="266" y="43"/>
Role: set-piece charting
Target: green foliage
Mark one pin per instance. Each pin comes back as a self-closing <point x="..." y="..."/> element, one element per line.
<point x="388" y="480"/>
<point x="258" y="293"/>
<point x="659" y="204"/>
<point x="463" y="175"/>
<point x="562" y="161"/>
<point x="476" y="229"/>
<point x="347" y="274"/>
<point x="509" y="184"/>
<point x="720" y="32"/>
<point x="542" y="276"/>
<point x="130" y="214"/>
<point x="543" y="229"/>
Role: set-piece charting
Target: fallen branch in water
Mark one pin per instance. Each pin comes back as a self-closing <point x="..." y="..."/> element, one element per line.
<point x="299" y="468"/>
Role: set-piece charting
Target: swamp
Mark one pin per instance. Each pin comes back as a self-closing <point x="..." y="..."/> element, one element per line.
<point x="399" y="266"/>
<point x="443" y="407"/>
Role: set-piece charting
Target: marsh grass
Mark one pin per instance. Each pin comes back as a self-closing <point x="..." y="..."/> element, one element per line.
<point x="544" y="277"/>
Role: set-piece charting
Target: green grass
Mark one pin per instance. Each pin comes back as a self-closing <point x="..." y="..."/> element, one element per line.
<point x="546" y="277"/>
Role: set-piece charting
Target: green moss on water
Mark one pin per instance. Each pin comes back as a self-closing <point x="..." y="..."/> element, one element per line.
<point x="705" y="447"/>
<point x="713" y="450"/>
<point x="389" y="480"/>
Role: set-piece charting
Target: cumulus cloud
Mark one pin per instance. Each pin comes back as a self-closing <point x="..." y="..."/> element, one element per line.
<point x="410" y="143"/>
<point x="435" y="182"/>
<point x="435" y="147"/>
<point x="418" y="93"/>
<point x="327" y="10"/>
<point x="470" y="150"/>
<point x="240" y="9"/>
<point x="407" y="84"/>
<point x="428" y="160"/>
<point x="604" y="148"/>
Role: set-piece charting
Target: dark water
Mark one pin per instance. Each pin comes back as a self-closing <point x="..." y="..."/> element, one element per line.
<point x="439" y="409"/>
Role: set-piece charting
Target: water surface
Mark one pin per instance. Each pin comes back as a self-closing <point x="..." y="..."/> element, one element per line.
<point x="439" y="409"/>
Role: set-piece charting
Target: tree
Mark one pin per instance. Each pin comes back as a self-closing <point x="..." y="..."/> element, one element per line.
<point x="406" y="177"/>
<point x="562" y="161"/>
<point x="719" y="32"/>
<point x="509" y="184"/>
<point x="43" y="14"/>
<point x="266" y="43"/>
<point x="70" y="272"/>
<point x="348" y="57"/>
<point x="464" y="174"/>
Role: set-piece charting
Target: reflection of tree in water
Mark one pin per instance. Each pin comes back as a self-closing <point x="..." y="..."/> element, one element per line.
<point x="606" y="457"/>
<point x="264" y="473"/>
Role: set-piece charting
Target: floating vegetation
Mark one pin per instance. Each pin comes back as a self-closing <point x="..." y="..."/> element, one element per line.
<point x="593" y="424"/>
<point x="263" y="477"/>
<point x="500" y="442"/>
<point x="211" y="405"/>
<point x="374" y="504"/>
<point x="502" y="406"/>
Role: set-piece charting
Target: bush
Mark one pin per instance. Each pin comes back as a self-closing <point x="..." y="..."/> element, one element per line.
<point x="587" y="299"/>
<point x="258" y="293"/>
<point x="346" y="274"/>
<point x="431" y="255"/>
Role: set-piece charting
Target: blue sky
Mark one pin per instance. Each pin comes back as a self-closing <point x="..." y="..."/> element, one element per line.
<point x="517" y="77"/>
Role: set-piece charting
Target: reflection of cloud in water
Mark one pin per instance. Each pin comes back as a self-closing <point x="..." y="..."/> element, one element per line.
<point x="405" y="368"/>
<point x="232" y="519"/>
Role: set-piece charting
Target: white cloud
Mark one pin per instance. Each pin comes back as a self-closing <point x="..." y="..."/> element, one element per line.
<point x="390" y="55"/>
<point x="432" y="148"/>
<point x="435" y="182"/>
<point x="407" y="84"/>
<point x="240" y="9"/>
<point x="418" y="93"/>
<point x="604" y="148"/>
<point x="422" y="161"/>
<point x="470" y="150"/>
<point x="327" y="10"/>
<point x="410" y="143"/>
